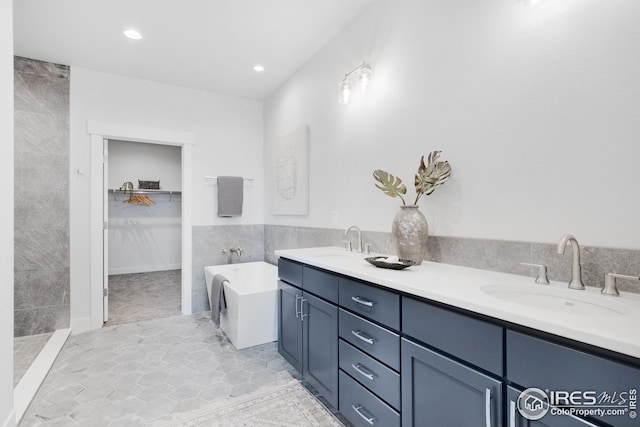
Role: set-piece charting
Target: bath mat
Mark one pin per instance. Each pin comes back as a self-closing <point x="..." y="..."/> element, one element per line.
<point x="285" y="405"/>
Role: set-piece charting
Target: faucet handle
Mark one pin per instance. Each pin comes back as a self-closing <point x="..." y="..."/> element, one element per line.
<point x="542" y="272"/>
<point x="367" y="248"/>
<point x="610" y="287"/>
<point x="349" y="247"/>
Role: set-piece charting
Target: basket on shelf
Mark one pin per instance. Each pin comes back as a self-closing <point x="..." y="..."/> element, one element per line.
<point x="148" y="185"/>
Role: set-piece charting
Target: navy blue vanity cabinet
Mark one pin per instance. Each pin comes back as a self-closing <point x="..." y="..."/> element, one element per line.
<point x="308" y="325"/>
<point x="289" y="324"/>
<point x="516" y="420"/>
<point x="320" y="346"/>
<point x="388" y="359"/>
<point x="446" y="384"/>
<point x="438" y="391"/>
<point x="541" y="363"/>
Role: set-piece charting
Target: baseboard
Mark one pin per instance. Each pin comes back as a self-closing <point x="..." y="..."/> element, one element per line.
<point x="80" y="325"/>
<point x="10" y="421"/>
<point x="28" y="386"/>
<point x="144" y="268"/>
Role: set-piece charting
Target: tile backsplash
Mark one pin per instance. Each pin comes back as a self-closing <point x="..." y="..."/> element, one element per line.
<point x="259" y="242"/>
<point x="208" y="242"/>
<point x="495" y="255"/>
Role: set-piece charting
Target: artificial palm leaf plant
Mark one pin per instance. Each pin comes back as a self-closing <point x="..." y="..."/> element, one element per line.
<point x="429" y="176"/>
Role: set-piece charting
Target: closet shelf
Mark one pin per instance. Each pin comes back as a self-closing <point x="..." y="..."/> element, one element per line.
<point x="115" y="191"/>
<point x="146" y="191"/>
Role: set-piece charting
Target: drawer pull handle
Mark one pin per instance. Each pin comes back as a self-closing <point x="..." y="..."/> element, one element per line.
<point x="487" y="407"/>
<point x="302" y="315"/>
<point x="358" y="409"/>
<point x="362" y="337"/>
<point x="512" y="414"/>
<point x="298" y="297"/>
<point x="363" y="370"/>
<point x="359" y="300"/>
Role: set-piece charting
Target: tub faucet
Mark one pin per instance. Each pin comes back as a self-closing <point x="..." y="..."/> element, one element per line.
<point x="237" y="251"/>
<point x="576" y="269"/>
<point x="357" y="229"/>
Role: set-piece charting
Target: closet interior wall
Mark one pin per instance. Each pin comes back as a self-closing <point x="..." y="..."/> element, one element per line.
<point x="144" y="237"/>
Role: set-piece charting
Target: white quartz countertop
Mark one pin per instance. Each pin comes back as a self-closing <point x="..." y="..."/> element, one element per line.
<point x="466" y="288"/>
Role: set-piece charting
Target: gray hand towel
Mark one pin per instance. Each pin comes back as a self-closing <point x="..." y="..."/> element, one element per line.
<point x="218" y="302"/>
<point x="230" y="195"/>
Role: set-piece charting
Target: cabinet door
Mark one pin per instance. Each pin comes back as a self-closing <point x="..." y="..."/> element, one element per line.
<point x="289" y="324"/>
<point x="439" y="392"/>
<point x="320" y="346"/>
<point x="517" y="420"/>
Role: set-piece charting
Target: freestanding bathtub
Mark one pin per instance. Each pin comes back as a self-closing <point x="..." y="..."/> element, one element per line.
<point x="251" y="317"/>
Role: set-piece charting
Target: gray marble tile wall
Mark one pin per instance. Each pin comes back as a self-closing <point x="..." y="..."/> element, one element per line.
<point x="208" y="242"/>
<point x="486" y="254"/>
<point x="287" y="237"/>
<point x="41" y="188"/>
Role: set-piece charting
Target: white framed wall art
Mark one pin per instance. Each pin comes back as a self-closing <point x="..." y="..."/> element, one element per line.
<point x="290" y="186"/>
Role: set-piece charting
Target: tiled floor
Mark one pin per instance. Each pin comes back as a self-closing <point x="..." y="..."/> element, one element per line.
<point x="25" y="351"/>
<point x="130" y="375"/>
<point x="144" y="296"/>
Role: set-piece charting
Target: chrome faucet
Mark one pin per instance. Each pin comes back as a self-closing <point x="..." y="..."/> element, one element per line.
<point x="237" y="251"/>
<point x="357" y="229"/>
<point x="576" y="269"/>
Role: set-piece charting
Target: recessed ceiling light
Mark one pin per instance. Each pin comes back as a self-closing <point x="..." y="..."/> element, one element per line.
<point x="259" y="68"/>
<point x="132" y="34"/>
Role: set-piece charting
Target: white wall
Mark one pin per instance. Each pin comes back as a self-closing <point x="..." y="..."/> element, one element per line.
<point x="144" y="238"/>
<point x="228" y="141"/>
<point x="133" y="161"/>
<point x="7" y="418"/>
<point x="536" y="108"/>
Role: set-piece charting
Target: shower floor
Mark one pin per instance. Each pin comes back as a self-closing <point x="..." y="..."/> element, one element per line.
<point x="25" y="351"/>
<point x="144" y="296"/>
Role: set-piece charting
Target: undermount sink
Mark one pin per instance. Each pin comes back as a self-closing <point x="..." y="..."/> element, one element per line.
<point x="557" y="299"/>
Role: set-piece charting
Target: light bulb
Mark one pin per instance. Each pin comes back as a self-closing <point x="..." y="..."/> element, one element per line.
<point x="531" y="3"/>
<point x="365" y="77"/>
<point x="132" y="34"/>
<point x="345" y="91"/>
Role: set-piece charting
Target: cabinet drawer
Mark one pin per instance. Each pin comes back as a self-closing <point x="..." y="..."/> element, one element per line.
<point x="534" y="362"/>
<point x="375" y="303"/>
<point x="372" y="374"/>
<point x="290" y="271"/>
<point x="472" y="340"/>
<point x="370" y="338"/>
<point x="362" y="408"/>
<point x="320" y="283"/>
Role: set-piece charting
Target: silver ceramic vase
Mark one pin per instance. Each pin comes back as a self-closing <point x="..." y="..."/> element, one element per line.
<point x="411" y="231"/>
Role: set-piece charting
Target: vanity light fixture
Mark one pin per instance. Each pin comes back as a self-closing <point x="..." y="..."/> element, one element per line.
<point x="345" y="86"/>
<point x="133" y="34"/>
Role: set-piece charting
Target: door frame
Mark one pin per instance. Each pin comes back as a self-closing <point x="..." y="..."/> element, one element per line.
<point x="99" y="132"/>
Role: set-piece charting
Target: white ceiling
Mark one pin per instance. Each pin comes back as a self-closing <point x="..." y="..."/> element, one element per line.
<point x="205" y="44"/>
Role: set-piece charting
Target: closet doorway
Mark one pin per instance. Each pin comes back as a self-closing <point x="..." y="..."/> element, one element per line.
<point x="143" y="233"/>
<point x="100" y="132"/>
